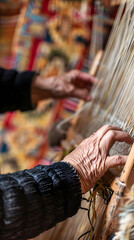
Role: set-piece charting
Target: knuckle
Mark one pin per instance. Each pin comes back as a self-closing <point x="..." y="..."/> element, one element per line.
<point x="117" y="160"/>
<point x="85" y="141"/>
<point x="75" y="72"/>
<point x="108" y="126"/>
<point x="111" y="134"/>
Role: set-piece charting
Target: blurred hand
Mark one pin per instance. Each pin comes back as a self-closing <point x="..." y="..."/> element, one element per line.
<point x="72" y="84"/>
<point x="91" y="158"/>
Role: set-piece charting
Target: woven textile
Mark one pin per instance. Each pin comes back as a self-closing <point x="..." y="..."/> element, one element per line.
<point x="51" y="37"/>
<point x="9" y="13"/>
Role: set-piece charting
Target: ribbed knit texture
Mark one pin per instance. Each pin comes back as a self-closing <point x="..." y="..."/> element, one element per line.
<point x="32" y="201"/>
<point x="15" y="90"/>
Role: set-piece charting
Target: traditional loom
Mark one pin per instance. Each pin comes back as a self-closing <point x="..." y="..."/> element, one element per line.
<point x="112" y="104"/>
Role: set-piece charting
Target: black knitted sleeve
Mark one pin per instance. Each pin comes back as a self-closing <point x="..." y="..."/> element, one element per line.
<point x="32" y="201"/>
<point x="15" y="90"/>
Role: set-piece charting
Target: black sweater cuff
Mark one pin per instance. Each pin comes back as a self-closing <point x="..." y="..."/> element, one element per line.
<point x="32" y="201"/>
<point x="15" y="90"/>
<point x="24" y="83"/>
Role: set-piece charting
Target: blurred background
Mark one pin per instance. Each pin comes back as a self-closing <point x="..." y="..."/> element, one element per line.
<point x="51" y="37"/>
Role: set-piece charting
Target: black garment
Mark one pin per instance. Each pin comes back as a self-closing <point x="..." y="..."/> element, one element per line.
<point x="32" y="201"/>
<point x="15" y="90"/>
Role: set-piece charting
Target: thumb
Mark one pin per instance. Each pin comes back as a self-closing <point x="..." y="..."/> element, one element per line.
<point x="82" y="94"/>
<point x="115" y="161"/>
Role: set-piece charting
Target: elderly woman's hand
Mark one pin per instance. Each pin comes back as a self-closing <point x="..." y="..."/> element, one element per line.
<point x="91" y="158"/>
<point x="72" y="84"/>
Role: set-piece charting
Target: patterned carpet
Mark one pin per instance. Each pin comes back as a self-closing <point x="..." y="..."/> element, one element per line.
<point x="51" y="37"/>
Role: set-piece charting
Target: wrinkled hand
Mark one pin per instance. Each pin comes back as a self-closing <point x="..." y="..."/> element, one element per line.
<point x="72" y="84"/>
<point x="91" y="158"/>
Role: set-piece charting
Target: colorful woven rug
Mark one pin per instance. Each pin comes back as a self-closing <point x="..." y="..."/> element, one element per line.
<point x="51" y="37"/>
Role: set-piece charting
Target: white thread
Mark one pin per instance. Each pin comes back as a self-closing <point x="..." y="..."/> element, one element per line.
<point x="114" y="95"/>
<point x="121" y="183"/>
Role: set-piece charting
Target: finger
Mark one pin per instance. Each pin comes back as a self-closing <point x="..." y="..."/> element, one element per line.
<point x="81" y="84"/>
<point x="71" y="91"/>
<point x="87" y="78"/>
<point x="82" y="94"/>
<point x="76" y="76"/>
<point x="112" y="136"/>
<point x="103" y="130"/>
<point x="115" y="161"/>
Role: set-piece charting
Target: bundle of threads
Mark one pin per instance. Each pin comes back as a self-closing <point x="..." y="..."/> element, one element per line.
<point x="103" y="190"/>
